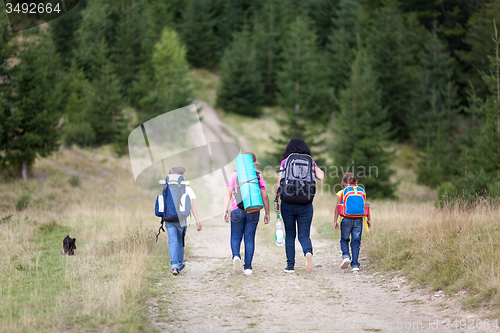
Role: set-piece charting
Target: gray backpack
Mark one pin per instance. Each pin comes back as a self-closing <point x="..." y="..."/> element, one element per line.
<point x="298" y="180"/>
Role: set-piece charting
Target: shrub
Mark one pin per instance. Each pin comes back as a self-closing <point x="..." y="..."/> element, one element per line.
<point x="74" y="181"/>
<point x="446" y="192"/>
<point x="80" y="134"/>
<point x="23" y="202"/>
<point x="406" y="157"/>
<point x="6" y="218"/>
<point x="49" y="226"/>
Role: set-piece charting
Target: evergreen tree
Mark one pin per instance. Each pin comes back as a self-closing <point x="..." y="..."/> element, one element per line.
<point x="235" y="16"/>
<point x="434" y="113"/>
<point x="361" y="130"/>
<point x="478" y="38"/>
<point x="127" y="53"/>
<point x="97" y="26"/>
<point x="322" y="13"/>
<point x="156" y="16"/>
<point x="240" y="88"/>
<point x="106" y="100"/>
<point x="341" y="47"/>
<point x="77" y="114"/>
<point x="487" y="146"/>
<point x="268" y="31"/>
<point x="392" y="48"/>
<point x="170" y="88"/>
<point x="6" y="53"/>
<point x="29" y="111"/>
<point x="62" y="31"/>
<point x="197" y="31"/>
<point x="302" y="90"/>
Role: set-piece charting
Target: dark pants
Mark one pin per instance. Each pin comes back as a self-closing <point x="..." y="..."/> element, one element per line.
<point x="244" y="224"/>
<point x="350" y="230"/>
<point x="296" y="218"/>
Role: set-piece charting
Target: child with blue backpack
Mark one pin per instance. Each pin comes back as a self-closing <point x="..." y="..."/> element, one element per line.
<point x="352" y="207"/>
<point x="174" y="206"/>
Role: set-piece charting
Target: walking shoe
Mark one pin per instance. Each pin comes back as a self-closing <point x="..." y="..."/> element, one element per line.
<point x="355" y="269"/>
<point x="248" y="272"/>
<point x="237" y="265"/>
<point x="309" y="262"/>
<point x="289" y="269"/>
<point x="175" y="271"/>
<point x="181" y="266"/>
<point x="345" y="263"/>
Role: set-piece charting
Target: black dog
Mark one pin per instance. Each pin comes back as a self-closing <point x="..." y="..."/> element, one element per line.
<point x="69" y="245"/>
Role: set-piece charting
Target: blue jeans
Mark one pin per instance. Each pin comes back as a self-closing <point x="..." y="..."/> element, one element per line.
<point x="296" y="217"/>
<point x="244" y="224"/>
<point x="176" y="235"/>
<point x="351" y="228"/>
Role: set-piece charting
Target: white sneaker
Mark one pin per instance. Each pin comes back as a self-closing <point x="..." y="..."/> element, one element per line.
<point x="248" y="272"/>
<point x="237" y="265"/>
<point x="309" y="262"/>
<point x="355" y="269"/>
<point x="345" y="263"/>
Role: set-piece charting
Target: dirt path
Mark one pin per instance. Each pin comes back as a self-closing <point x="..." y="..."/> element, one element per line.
<point x="209" y="297"/>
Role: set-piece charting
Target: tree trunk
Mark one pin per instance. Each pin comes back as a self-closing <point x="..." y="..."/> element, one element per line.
<point x="25" y="171"/>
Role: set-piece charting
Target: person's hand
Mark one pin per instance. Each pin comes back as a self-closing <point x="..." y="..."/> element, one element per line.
<point x="369" y="223"/>
<point x="198" y="224"/>
<point x="277" y="207"/>
<point x="226" y="217"/>
<point x="336" y="226"/>
<point x="266" y="219"/>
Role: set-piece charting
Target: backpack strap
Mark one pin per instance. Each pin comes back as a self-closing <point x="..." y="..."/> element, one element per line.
<point x="165" y="193"/>
<point x="159" y="230"/>
<point x="249" y="181"/>
<point x="238" y="184"/>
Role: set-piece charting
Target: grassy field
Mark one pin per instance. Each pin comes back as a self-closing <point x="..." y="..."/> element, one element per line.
<point x="90" y="194"/>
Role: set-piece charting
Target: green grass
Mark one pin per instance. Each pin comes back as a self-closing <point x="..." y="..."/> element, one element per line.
<point x="324" y="228"/>
<point x="37" y="281"/>
<point x="37" y="296"/>
<point x="259" y="141"/>
<point x="204" y="85"/>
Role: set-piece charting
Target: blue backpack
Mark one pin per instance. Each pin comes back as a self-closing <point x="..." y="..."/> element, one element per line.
<point x="174" y="204"/>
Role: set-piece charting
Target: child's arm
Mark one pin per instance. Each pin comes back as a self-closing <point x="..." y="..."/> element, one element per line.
<point x="265" y="200"/>
<point x="276" y="203"/>
<point x="227" y="200"/>
<point x="319" y="173"/>
<point x="195" y="213"/>
<point x="336" y="215"/>
<point x="368" y="221"/>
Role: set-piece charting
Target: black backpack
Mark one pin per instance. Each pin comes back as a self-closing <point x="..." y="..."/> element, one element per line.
<point x="298" y="180"/>
<point x="237" y="195"/>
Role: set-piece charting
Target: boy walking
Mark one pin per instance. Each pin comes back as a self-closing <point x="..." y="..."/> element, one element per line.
<point x="176" y="232"/>
<point x="351" y="206"/>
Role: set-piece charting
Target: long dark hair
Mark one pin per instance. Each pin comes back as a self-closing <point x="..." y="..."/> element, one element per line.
<point x="296" y="145"/>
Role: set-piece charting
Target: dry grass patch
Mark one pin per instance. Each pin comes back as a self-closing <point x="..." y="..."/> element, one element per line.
<point x="105" y="285"/>
<point x="448" y="249"/>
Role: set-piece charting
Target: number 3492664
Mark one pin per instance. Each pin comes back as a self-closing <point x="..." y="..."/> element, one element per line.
<point x="32" y="8"/>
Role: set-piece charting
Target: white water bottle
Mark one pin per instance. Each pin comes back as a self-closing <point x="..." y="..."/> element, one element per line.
<point x="279" y="233"/>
